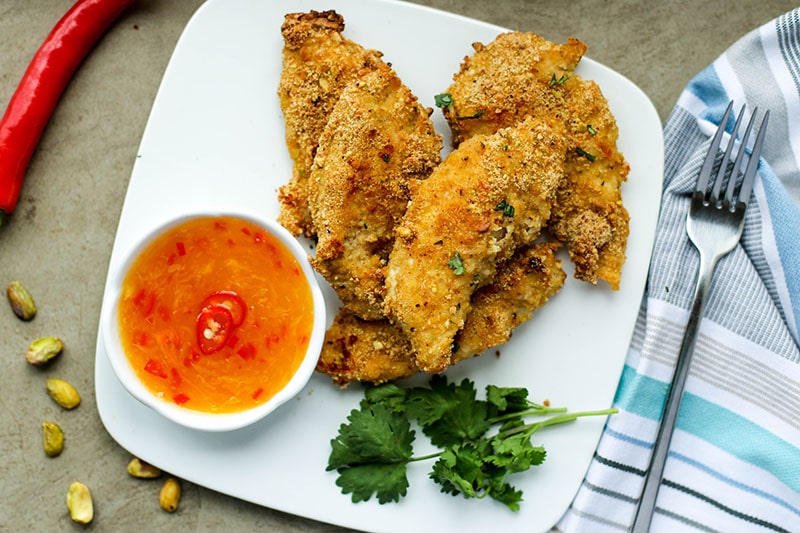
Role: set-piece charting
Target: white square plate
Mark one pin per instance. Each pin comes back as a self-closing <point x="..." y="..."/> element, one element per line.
<point x="215" y="139"/>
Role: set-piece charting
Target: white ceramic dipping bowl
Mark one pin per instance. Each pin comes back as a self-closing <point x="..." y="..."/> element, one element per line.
<point x="199" y="420"/>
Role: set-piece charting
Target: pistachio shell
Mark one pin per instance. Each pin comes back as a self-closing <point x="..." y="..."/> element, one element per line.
<point x="63" y="393"/>
<point x="42" y="350"/>
<point x="21" y="301"/>
<point x="79" y="503"/>
<point x="170" y="495"/>
<point x="53" y="438"/>
<point x="141" y="469"/>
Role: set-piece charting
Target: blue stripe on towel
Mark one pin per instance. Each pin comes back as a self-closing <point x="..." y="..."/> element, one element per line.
<point x="785" y="217"/>
<point x="738" y="484"/>
<point x="645" y="396"/>
<point x="708" y="87"/>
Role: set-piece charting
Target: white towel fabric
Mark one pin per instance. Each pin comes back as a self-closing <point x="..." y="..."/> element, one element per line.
<point x="734" y="463"/>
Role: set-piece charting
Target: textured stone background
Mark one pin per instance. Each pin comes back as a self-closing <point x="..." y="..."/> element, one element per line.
<point x="59" y="241"/>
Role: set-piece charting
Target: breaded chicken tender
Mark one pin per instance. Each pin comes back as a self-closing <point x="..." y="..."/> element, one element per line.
<point x="523" y="284"/>
<point x="318" y="62"/>
<point x="490" y="196"/>
<point x="379" y="351"/>
<point x="520" y="75"/>
<point x="371" y="351"/>
<point x="378" y="138"/>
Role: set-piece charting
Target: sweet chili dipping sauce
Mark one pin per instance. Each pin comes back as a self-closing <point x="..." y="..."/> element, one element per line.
<point x="215" y="315"/>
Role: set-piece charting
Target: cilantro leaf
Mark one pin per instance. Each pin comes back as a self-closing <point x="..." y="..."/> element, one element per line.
<point x="443" y="100"/>
<point x="507" y="495"/>
<point x="557" y="81"/>
<point x="507" y="399"/>
<point x="456" y="264"/>
<point x="515" y="452"/>
<point x="375" y="434"/>
<point x="371" y="453"/>
<point x="580" y="151"/>
<point x="507" y="209"/>
<point x="428" y="404"/>
<point x="449" y="414"/>
<point x="388" y="482"/>
<point x="388" y="394"/>
<point x="457" y="471"/>
<point x="466" y="470"/>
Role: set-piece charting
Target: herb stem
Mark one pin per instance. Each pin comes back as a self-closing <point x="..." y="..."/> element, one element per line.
<point x="529" y="412"/>
<point x="555" y="420"/>
<point x="425" y="457"/>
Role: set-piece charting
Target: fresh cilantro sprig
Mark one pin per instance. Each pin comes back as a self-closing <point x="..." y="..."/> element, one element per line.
<point x="373" y="449"/>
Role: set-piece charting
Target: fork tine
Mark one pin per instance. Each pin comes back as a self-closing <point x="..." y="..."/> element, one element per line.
<point x="705" y="171"/>
<point x="740" y="157"/>
<point x="723" y="166"/>
<point x="752" y="165"/>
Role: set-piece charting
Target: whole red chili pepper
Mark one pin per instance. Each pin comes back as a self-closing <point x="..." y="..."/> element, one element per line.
<point x="41" y="86"/>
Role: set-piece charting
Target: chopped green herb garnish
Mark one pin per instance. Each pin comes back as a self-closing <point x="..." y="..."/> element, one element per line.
<point x="557" y="81"/>
<point x="506" y="208"/>
<point x="443" y="100"/>
<point x="584" y="153"/>
<point x="470" y="117"/>
<point x="373" y="449"/>
<point x="591" y="130"/>
<point x="456" y="264"/>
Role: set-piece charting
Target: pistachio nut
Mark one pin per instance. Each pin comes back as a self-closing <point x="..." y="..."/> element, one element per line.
<point x="42" y="350"/>
<point x="79" y="503"/>
<point x="21" y="301"/>
<point x="140" y="469"/>
<point x="170" y="495"/>
<point x="53" y="438"/>
<point x="63" y="393"/>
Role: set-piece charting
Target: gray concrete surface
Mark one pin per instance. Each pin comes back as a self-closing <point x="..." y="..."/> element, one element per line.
<point x="59" y="240"/>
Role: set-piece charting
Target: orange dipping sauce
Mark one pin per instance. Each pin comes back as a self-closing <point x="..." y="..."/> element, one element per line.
<point x="215" y="315"/>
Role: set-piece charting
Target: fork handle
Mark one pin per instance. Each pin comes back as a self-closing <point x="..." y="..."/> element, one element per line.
<point x="647" y="502"/>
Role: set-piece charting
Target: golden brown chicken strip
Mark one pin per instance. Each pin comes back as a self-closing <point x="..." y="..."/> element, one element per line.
<point x="318" y="62"/>
<point x="520" y="75"/>
<point x="378" y="138"/>
<point x="522" y="285"/>
<point x="379" y="351"/>
<point x="489" y="196"/>
<point x="373" y="351"/>
<point x="589" y="214"/>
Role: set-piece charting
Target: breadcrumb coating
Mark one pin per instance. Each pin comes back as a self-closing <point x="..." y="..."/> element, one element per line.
<point x="377" y="351"/>
<point x="520" y="75"/>
<point x="438" y="261"/>
<point x="457" y="229"/>
<point x="377" y="140"/>
<point x="318" y="62"/>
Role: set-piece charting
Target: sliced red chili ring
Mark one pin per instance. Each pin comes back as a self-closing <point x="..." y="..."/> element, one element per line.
<point x="214" y="326"/>
<point x="230" y="300"/>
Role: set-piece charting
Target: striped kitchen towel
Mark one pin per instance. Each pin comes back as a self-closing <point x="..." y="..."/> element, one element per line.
<point x="734" y="463"/>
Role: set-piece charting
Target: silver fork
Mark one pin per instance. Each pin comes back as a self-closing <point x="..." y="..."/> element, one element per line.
<point x="714" y="226"/>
